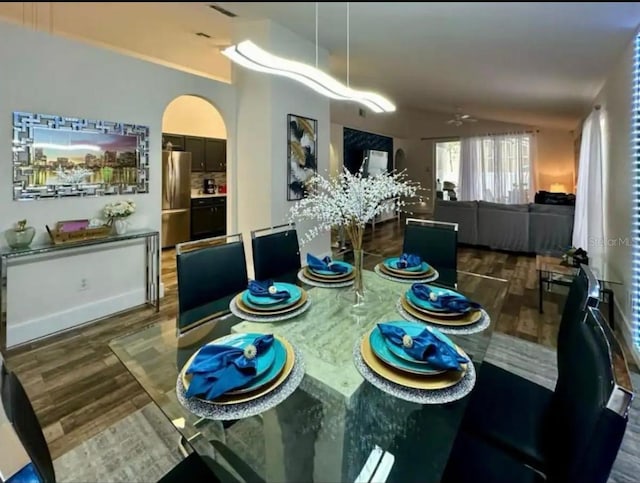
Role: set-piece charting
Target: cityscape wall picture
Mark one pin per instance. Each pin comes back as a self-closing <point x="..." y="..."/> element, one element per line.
<point x="56" y="156"/>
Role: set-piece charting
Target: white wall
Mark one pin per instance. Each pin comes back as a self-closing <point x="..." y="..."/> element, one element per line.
<point x="263" y="104"/>
<point x="193" y="116"/>
<point x="47" y="74"/>
<point x="615" y="100"/>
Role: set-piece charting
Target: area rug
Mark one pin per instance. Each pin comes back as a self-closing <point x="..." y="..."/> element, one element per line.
<point x="144" y="446"/>
<point x="141" y="447"/>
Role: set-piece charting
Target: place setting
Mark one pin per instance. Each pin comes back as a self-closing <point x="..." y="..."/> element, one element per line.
<point x="407" y="268"/>
<point x="269" y="301"/>
<point x="239" y="375"/>
<point x="326" y="273"/>
<point x="415" y="363"/>
<point x="443" y="309"/>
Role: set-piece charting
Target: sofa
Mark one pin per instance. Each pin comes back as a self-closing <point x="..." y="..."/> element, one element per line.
<point x="525" y="228"/>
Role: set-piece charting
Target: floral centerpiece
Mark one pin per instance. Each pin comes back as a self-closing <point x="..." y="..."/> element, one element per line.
<point x="117" y="212"/>
<point x="351" y="201"/>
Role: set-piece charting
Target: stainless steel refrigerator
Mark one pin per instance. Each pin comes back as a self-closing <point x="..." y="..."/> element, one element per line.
<point x="176" y="197"/>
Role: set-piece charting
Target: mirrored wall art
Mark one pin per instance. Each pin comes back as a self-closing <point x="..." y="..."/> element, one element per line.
<point x="59" y="157"/>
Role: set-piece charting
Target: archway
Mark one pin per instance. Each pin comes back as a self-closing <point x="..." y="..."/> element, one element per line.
<point x="194" y="171"/>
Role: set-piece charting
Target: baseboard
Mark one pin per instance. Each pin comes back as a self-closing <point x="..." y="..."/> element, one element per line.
<point x="625" y="328"/>
<point x="44" y="326"/>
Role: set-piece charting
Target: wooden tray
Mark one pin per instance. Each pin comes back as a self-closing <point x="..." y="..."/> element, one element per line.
<point x="58" y="236"/>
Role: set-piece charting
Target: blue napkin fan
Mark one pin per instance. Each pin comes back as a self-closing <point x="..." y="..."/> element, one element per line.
<point x="408" y="260"/>
<point x="424" y="347"/>
<point x="326" y="264"/>
<point x="218" y="369"/>
<point x="267" y="289"/>
<point x="450" y="301"/>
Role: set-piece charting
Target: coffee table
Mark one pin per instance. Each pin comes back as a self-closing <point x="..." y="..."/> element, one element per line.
<point x="552" y="271"/>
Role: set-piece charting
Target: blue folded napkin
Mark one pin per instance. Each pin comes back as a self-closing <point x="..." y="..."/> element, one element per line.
<point x="453" y="302"/>
<point x="407" y="260"/>
<point x="325" y="264"/>
<point x="424" y="347"/>
<point x="221" y="368"/>
<point x="267" y="289"/>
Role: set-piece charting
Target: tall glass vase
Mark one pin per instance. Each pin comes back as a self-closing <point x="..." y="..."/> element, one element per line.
<point x="358" y="284"/>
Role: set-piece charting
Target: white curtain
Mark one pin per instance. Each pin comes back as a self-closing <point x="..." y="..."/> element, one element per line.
<point x="588" y="224"/>
<point x="498" y="168"/>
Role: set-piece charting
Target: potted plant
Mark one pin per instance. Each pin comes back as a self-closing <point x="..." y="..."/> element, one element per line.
<point x="21" y="235"/>
<point x="118" y="212"/>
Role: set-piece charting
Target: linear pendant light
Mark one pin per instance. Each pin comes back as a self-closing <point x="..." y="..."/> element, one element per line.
<point x="249" y="55"/>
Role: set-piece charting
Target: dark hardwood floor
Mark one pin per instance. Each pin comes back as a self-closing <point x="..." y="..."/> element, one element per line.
<point x="79" y="388"/>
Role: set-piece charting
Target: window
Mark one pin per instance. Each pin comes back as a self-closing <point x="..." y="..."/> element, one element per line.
<point x="495" y="168"/>
<point x="448" y="161"/>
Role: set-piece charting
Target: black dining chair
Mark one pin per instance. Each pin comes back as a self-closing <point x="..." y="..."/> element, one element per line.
<point x="210" y="273"/>
<point x="511" y="411"/>
<point x="276" y="253"/>
<point x="22" y="438"/>
<point x="437" y="243"/>
<point x="21" y="430"/>
<point x="584" y="423"/>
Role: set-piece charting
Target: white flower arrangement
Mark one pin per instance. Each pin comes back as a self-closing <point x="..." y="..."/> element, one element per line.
<point x="350" y="201"/>
<point x="119" y="209"/>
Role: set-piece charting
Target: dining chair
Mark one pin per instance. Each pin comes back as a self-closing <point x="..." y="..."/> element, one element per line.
<point x="24" y="450"/>
<point x="512" y="411"/>
<point x="436" y="242"/>
<point x="24" y="446"/>
<point x="210" y="273"/>
<point x="585" y="421"/>
<point x="276" y="253"/>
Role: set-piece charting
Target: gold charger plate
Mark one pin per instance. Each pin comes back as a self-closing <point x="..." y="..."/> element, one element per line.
<point x="433" y="312"/>
<point x="406" y="276"/>
<point x="250" y="310"/>
<point x="250" y="396"/>
<point x="400" y="271"/>
<point x="328" y="279"/>
<point x="438" y="381"/>
<point x="469" y="318"/>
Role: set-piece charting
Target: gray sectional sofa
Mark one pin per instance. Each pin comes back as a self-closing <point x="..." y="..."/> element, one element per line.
<point x="527" y="228"/>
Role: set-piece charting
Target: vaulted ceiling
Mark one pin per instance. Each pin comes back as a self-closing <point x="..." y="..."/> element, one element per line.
<point x="534" y="63"/>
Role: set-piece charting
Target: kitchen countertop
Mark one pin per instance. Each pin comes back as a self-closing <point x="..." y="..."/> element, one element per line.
<point x="204" y="195"/>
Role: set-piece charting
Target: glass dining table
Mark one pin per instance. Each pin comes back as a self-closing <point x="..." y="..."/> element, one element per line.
<point x="328" y="427"/>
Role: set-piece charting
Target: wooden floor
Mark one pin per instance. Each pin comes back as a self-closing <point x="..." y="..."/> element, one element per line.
<point x="79" y="388"/>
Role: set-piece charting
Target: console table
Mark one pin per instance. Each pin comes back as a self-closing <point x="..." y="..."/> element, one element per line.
<point x="152" y="266"/>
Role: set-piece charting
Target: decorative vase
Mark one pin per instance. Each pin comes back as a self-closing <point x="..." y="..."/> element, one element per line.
<point x="20" y="238"/>
<point x="121" y="226"/>
<point x="358" y="284"/>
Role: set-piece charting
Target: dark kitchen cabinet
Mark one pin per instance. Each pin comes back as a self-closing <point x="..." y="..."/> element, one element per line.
<point x="215" y="155"/>
<point x="208" y="217"/>
<point x="207" y="154"/>
<point x="176" y="140"/>
<point x="195" y="146"/>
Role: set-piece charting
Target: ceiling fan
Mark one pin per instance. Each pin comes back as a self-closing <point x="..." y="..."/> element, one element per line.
<point x="459" y="118"/>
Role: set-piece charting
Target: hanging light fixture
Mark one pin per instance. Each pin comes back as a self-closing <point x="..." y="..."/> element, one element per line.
<point x="249" y="55"/>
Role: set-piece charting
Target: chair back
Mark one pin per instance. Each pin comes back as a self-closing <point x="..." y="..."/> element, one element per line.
<point x="584" y="292"/>
<point x="276" y="253"/>
<point x="590" y="404"/>
<point x="210" y="273"/>
<point x="24" y="446"/>
<point x="437" y="243"/>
